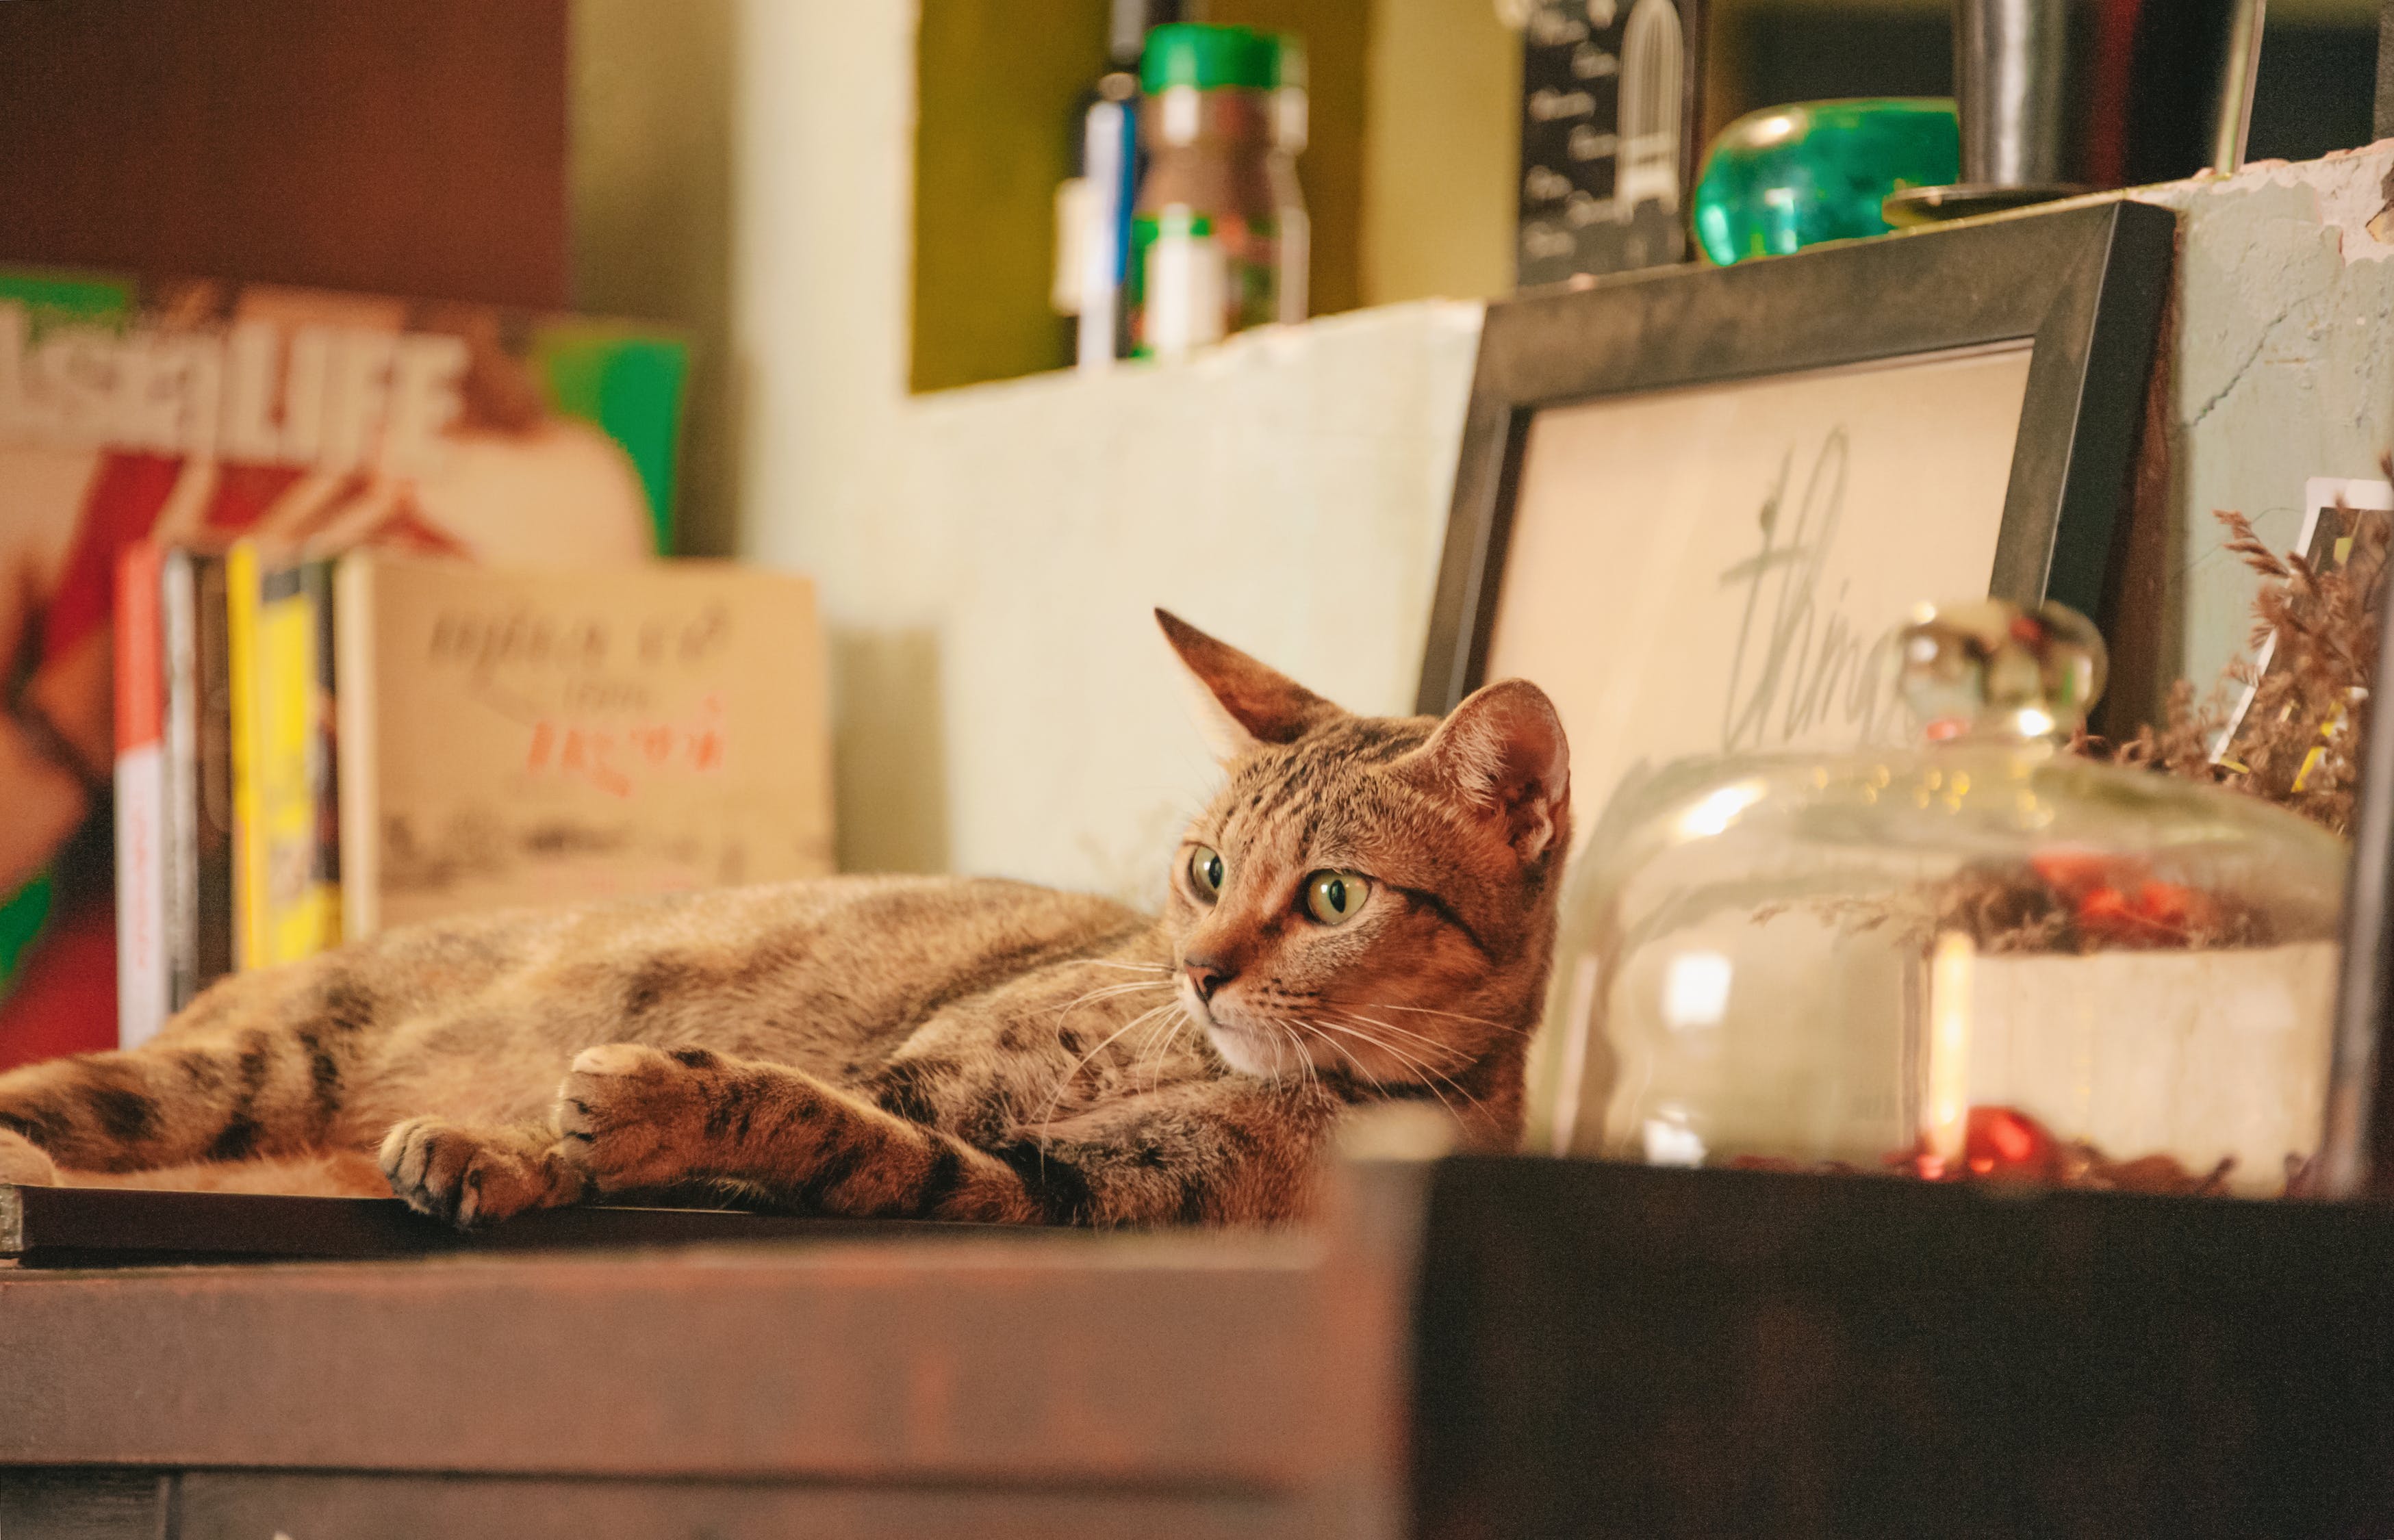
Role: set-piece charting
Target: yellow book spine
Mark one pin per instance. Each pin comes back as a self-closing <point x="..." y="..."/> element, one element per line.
<point x="248" y="833"/>
<point x="296" y="918"/>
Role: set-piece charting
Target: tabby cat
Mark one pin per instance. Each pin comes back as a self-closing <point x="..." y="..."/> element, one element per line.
<point x="1366" y="912"/>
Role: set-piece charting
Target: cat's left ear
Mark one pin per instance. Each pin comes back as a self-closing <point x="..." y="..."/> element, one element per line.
<point x="1504" y="752"/>
<point x="1241" y="705"/>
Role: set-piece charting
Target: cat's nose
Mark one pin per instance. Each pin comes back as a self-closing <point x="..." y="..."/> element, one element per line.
<point x="1207" y="973"/>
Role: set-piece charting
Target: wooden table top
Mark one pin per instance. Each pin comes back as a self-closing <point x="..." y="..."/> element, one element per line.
<point x="1465" y="1347"/>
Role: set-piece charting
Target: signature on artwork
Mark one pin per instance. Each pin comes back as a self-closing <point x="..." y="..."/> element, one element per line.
<point x="1801" y="661"/>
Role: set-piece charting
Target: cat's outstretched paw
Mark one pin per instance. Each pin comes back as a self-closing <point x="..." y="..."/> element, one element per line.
<point x="22" y="1162"/>
<point x="473" y="1176"/>
<point x="635" y="1117"/>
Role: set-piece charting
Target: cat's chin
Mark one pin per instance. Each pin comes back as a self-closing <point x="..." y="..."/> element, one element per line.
<point x="1251" y="1052"/>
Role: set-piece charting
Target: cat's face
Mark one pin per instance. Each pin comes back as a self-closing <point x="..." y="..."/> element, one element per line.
<point x="1370" y="897"/>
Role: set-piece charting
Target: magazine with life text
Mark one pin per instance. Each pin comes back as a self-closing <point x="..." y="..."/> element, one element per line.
<point x="188" y="415"/>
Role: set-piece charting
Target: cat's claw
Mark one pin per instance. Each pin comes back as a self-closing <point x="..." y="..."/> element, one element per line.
<point x="633" y="1117"/>
<point x="22" y="1162"/>
<point x="471" y="1176"/>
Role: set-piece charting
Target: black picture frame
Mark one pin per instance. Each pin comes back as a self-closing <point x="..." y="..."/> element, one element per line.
<point x="2086" y="284"/>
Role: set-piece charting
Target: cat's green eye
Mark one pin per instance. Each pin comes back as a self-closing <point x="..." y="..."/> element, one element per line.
<point x="1205" y="873"/>
<point x="1334" y="898"/>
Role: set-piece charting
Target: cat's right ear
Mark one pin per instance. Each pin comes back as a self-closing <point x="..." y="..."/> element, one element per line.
<point x="1241" y="705"/>
<point x="1504" y="750"/>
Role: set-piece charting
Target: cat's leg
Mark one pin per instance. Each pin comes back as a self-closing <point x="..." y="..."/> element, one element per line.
<point x="257" y="1066"/>
<point x="477" y="1176"/>
<point x="636" y="1117"/>
<point x="1228" y="1151"/>
<point x="1218" y="1151"/>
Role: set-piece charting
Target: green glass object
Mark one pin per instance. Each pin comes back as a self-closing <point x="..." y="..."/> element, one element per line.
<point x="1787" y="177"/>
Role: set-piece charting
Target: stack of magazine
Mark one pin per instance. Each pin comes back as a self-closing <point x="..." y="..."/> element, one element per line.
<point x="375" y="586"/>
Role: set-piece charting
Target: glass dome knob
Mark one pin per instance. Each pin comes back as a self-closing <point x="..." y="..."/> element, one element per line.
<point x="1990" y="669"/>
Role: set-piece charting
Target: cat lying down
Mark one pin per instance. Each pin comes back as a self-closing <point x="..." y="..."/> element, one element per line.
<point x="1364" y="912"/>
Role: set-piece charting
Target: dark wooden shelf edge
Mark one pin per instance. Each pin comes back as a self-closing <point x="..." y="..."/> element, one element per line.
<point x="69" y="1227"/>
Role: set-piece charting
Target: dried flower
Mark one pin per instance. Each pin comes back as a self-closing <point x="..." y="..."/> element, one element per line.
<point x="2297" y="742"/>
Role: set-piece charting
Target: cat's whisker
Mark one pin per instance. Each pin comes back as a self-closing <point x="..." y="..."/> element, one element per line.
<point x="1281" y="1027"/>
<point x="1162" y="1047"/>
<point x="1431" y="1047"/>
<point x="1048" y="1119"/>
<point x="1160" y="1043"/>
<point x="1430" y="1043"/>
<point x="1133" y="967"/>
<point x="1368" y="1078"/>
<point x="1275" y="1068"/>
<point x="1161" y="1015"/>
<point x="1412" y="1059"/>
<point x="1296" y="1040"/>
<point x="1064" y="1085"/>
<point x="1317" y="1069"/>
<point x="1426" y="1071"/>
<point x="1125" y="987"/>
<point x="1429" y="1085"/>
<point x="1430" y="1075"/>
<point x="1296" y="1045"/>
<point x="1106" y="992"/>
<point x="1451" y="1015"/>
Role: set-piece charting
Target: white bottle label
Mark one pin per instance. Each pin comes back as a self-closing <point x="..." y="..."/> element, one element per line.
<point x="1186" y="294"/>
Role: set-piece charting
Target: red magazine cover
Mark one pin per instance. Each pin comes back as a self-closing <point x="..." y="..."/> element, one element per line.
<point x="190" y="412"/>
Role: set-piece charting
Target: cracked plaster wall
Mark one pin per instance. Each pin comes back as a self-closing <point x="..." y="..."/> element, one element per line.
<point x="2279" y="370"/>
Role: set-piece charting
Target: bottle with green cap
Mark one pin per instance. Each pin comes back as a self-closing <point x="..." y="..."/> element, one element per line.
<point x="1206" y="254"/>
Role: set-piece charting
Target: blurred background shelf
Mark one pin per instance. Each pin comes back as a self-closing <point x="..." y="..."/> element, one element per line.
<point x="844" y="204"/>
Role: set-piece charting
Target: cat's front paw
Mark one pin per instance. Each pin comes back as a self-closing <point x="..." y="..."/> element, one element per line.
<point x="471" y="1176"/>
<point x="635" y="1117"/>
<point x="22" y="1162"/>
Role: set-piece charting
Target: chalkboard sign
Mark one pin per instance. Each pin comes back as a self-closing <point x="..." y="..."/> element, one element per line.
<point x="1609" y="107"/>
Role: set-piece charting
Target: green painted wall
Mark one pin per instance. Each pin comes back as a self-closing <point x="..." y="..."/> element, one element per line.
<point x="996" y="81"/>
<point x="651" y="176"/>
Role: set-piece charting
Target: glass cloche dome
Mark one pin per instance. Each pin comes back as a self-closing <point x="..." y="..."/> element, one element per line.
<point x="1982" y="957"/>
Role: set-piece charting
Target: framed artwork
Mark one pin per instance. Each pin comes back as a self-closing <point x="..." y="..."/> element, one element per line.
<point x="1691" y="504"/>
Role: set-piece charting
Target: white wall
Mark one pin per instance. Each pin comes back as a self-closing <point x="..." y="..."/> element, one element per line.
<point x="821" y="177"/>
<point x="988" y="558"/>
<point x="1287" y="492"/>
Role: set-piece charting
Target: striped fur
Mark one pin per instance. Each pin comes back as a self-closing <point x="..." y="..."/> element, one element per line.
<point x="916" y="1046"/>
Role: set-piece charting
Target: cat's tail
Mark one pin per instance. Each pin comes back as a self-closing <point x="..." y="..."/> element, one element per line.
<point x="255" y="1066"/>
